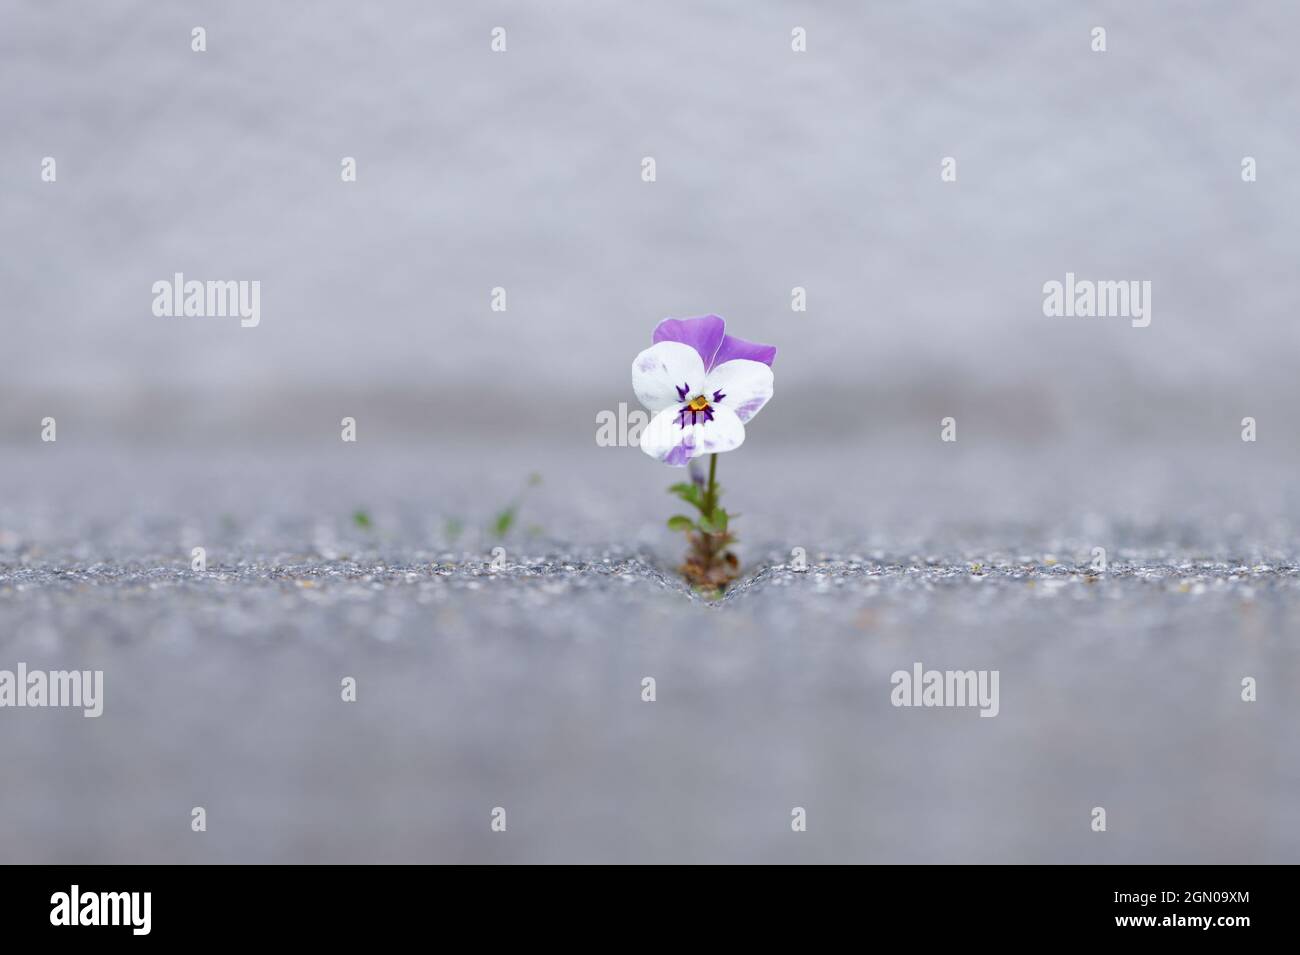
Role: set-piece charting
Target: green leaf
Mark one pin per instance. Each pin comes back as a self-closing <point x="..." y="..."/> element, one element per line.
<point x="690" y="493"/>
<point x="719" y="520"/>
<point x="504" y="521"/>
<point x="680" y="522"/>
<point x="362" y="520"/>
<point x="706" y="525"/>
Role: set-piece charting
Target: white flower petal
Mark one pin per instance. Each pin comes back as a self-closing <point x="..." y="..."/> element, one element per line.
<point x="663" y="435"/>
<point x="661" y="369"/>
<point x="746" y="386"/>
<point x="664" y="439"/>
<point x="724" y="433"/>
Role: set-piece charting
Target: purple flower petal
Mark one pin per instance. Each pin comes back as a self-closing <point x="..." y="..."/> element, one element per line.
<point x="704" y="334"/>
<point x="733" y="347"/>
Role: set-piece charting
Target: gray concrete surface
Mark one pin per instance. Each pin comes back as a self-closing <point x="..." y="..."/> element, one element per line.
<point x="522" y="688"/>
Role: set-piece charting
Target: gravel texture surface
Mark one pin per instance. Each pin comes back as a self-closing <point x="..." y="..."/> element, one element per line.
<point x="520" y="686"/>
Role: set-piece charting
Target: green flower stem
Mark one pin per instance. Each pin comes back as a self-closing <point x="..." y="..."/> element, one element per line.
<point x="710" y="504"/>
<point x="711" y="494"/>
<point x="709" y="565"/>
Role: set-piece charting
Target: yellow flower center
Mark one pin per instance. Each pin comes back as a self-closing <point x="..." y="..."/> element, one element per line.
<point x="698" y="403"/>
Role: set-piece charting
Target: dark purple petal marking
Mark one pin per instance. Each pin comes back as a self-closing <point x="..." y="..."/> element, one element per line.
<point x="699" y="410"/>
<point x="695" y="416"/>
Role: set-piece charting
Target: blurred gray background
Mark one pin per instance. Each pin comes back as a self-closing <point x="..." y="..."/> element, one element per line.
<point x="775" y="170"/>
<point x="522" y="170"/>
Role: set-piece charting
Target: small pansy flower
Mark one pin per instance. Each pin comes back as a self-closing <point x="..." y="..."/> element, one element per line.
<point x="701" y="386"/>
